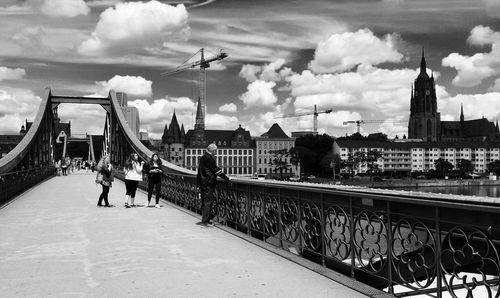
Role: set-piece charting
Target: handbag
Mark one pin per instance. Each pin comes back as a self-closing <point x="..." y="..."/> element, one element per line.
<point x="98" y="178"/>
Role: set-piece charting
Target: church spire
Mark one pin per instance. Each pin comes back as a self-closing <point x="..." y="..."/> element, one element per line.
<point x="200" y="122"/>
<point x="423" y="65"/>
<point x="462" y="112"/>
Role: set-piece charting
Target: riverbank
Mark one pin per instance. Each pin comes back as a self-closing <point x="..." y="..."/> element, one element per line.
<point x="415" y="183"/>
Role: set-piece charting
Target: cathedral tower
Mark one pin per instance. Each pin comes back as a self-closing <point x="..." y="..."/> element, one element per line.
<point x="424" y="120"/>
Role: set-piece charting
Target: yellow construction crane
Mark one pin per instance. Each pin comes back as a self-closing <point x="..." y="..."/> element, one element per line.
<point x="359" y="122"/>
<point x="203" y="63"/>
<point x="314" y="113"/>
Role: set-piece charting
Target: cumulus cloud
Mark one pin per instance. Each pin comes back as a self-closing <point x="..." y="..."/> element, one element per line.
<point x="483" y="35"/>
<point x="64" y="8"/>
<point x="154" y="115"/>
<point x="273" y="71"/>
<point x="16" y="105"/>
<point x="11" y="73"/>
<point x="132" y="85"/>
<point x="222" y="122"/>
<point x="132" y="26"/>
<point x="472" y="70"/>
<point x="228" y="107"/>
<point x="344" y="51"/>
<point x="259" y="93"/>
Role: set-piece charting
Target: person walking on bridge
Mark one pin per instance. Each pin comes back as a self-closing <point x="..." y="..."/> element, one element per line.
<point x="133" y="174"/>
<point x="155" y="173"/>
<point x="105" y="169"/>
<point x="207" y="180"/>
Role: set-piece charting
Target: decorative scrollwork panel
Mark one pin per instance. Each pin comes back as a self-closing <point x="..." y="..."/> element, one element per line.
<point x="370" y="241"/>
<point x="470" y="263"/>
<point x="337" y="233"/>
<point x="413" y="254"/>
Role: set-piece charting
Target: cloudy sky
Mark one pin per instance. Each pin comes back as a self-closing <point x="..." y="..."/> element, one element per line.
<point x="357" y="57"/>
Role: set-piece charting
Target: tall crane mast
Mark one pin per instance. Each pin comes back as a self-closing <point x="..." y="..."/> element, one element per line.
<point x="204" y="64"/>
<point x="359" y="122"/>
<point x="314" y="113"/>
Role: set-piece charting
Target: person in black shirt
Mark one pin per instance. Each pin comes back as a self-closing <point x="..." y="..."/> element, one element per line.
<point x="206" y="181"/>
<point x="153" y="168"/>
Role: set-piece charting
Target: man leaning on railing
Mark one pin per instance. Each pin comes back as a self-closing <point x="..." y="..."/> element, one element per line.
<point x="206" y="181"/>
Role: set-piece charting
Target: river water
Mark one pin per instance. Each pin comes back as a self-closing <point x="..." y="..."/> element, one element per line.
<point x="483" y="191"/>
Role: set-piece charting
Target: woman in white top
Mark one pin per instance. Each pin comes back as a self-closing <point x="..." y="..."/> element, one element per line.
<point x="133" y="174"/>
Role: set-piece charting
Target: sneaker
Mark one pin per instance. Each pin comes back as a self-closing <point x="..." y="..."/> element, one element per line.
<point x="99" y="205"/>
<point x="157" y="206"/>
<point x="110" y="205"/>
<point x="146" y="205"/>
<point x="127" y="205"/>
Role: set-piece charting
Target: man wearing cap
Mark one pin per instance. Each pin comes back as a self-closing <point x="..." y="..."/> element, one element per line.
<point x="206" y="181"/>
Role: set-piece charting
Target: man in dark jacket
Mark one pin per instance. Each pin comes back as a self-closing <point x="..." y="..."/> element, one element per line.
<point x="207" y="180"/>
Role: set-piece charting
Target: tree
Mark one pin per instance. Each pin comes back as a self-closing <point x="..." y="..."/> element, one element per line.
<point x="465" y="166"/>
<point x="494" y="167"/>
<point x="371" y="159"/>
<point x="353" y="161"/>
<point x="319" y="146"/>
<point x="278" y="161"/>
<point x="442" y="166"/>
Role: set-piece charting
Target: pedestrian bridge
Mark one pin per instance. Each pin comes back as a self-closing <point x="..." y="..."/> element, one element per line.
<point x="56" y="242"/>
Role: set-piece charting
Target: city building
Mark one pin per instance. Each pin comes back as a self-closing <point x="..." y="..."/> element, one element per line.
<point x="131" y="113"/>
<point x="421" y="156"/>
<point x="235" y="154"/>
<point x="173" y="140"/>
<point x="274" y="139"/>
<point x="425" y="120"/>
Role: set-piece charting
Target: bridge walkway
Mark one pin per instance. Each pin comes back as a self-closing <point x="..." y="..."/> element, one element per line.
<point x="55" y="241"/>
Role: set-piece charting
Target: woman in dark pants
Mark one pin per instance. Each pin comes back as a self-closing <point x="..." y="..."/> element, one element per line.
<point x="155" y="173"/>
<point x="105" y="169"/>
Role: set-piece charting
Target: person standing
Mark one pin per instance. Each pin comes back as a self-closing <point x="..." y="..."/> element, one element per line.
<point x="207" y="180"/>
<point x="133" y="174"/>
<point x="153" y="168"/>
<point x="105" y="169"/>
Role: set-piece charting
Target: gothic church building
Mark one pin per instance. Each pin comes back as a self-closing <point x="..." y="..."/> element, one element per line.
<point x="425" y="120"/>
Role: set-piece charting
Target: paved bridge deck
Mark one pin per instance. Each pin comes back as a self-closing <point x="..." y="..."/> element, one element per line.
<point x="54" y="241"/>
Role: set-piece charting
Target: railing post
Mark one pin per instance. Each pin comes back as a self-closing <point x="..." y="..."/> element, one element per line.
<point x="249" y="211"/>
<point x="280" y="233"/>
<point x="323" y="230"/>
<point x="389" y="247"/>
<point x="299" y="220"/>
<point x="352" y="231"/>
<point x="438" y="253"/>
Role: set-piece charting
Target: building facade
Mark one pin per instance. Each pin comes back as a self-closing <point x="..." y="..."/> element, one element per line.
<point x="421" y="156"/>
<point x="131" y="113"/>
<point x="173" y="140"/>
<point x="265" y="146"/>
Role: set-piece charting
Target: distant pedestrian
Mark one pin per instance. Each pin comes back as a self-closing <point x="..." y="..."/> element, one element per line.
<point x="106" y="170"/>
<point x="87" y="166"/>
<point x="58" y="167"/>
<point x="206" y="181"/>
<point x="133" y="174"/>
<point x="155" y="173"/>
<point x="64" y="167"/>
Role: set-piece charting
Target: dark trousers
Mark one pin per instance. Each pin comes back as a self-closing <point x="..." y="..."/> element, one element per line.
<point x="131" y="186"/>
<point x="104" y="195"/>
<point x="157" y="186"/>
<point x="208" y="204"/>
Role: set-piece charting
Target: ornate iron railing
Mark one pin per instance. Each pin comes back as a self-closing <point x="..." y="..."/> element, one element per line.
<point x="401" y="243"/>
<point x="14" y="183"/>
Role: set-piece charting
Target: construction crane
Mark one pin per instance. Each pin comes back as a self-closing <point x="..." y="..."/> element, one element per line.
<point x="359" y="122"/>
<point x="314" y="113"/>
<point x="204" y="64"/>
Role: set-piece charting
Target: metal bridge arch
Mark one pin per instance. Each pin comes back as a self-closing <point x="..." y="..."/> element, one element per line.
<point x="36" y="149"/>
